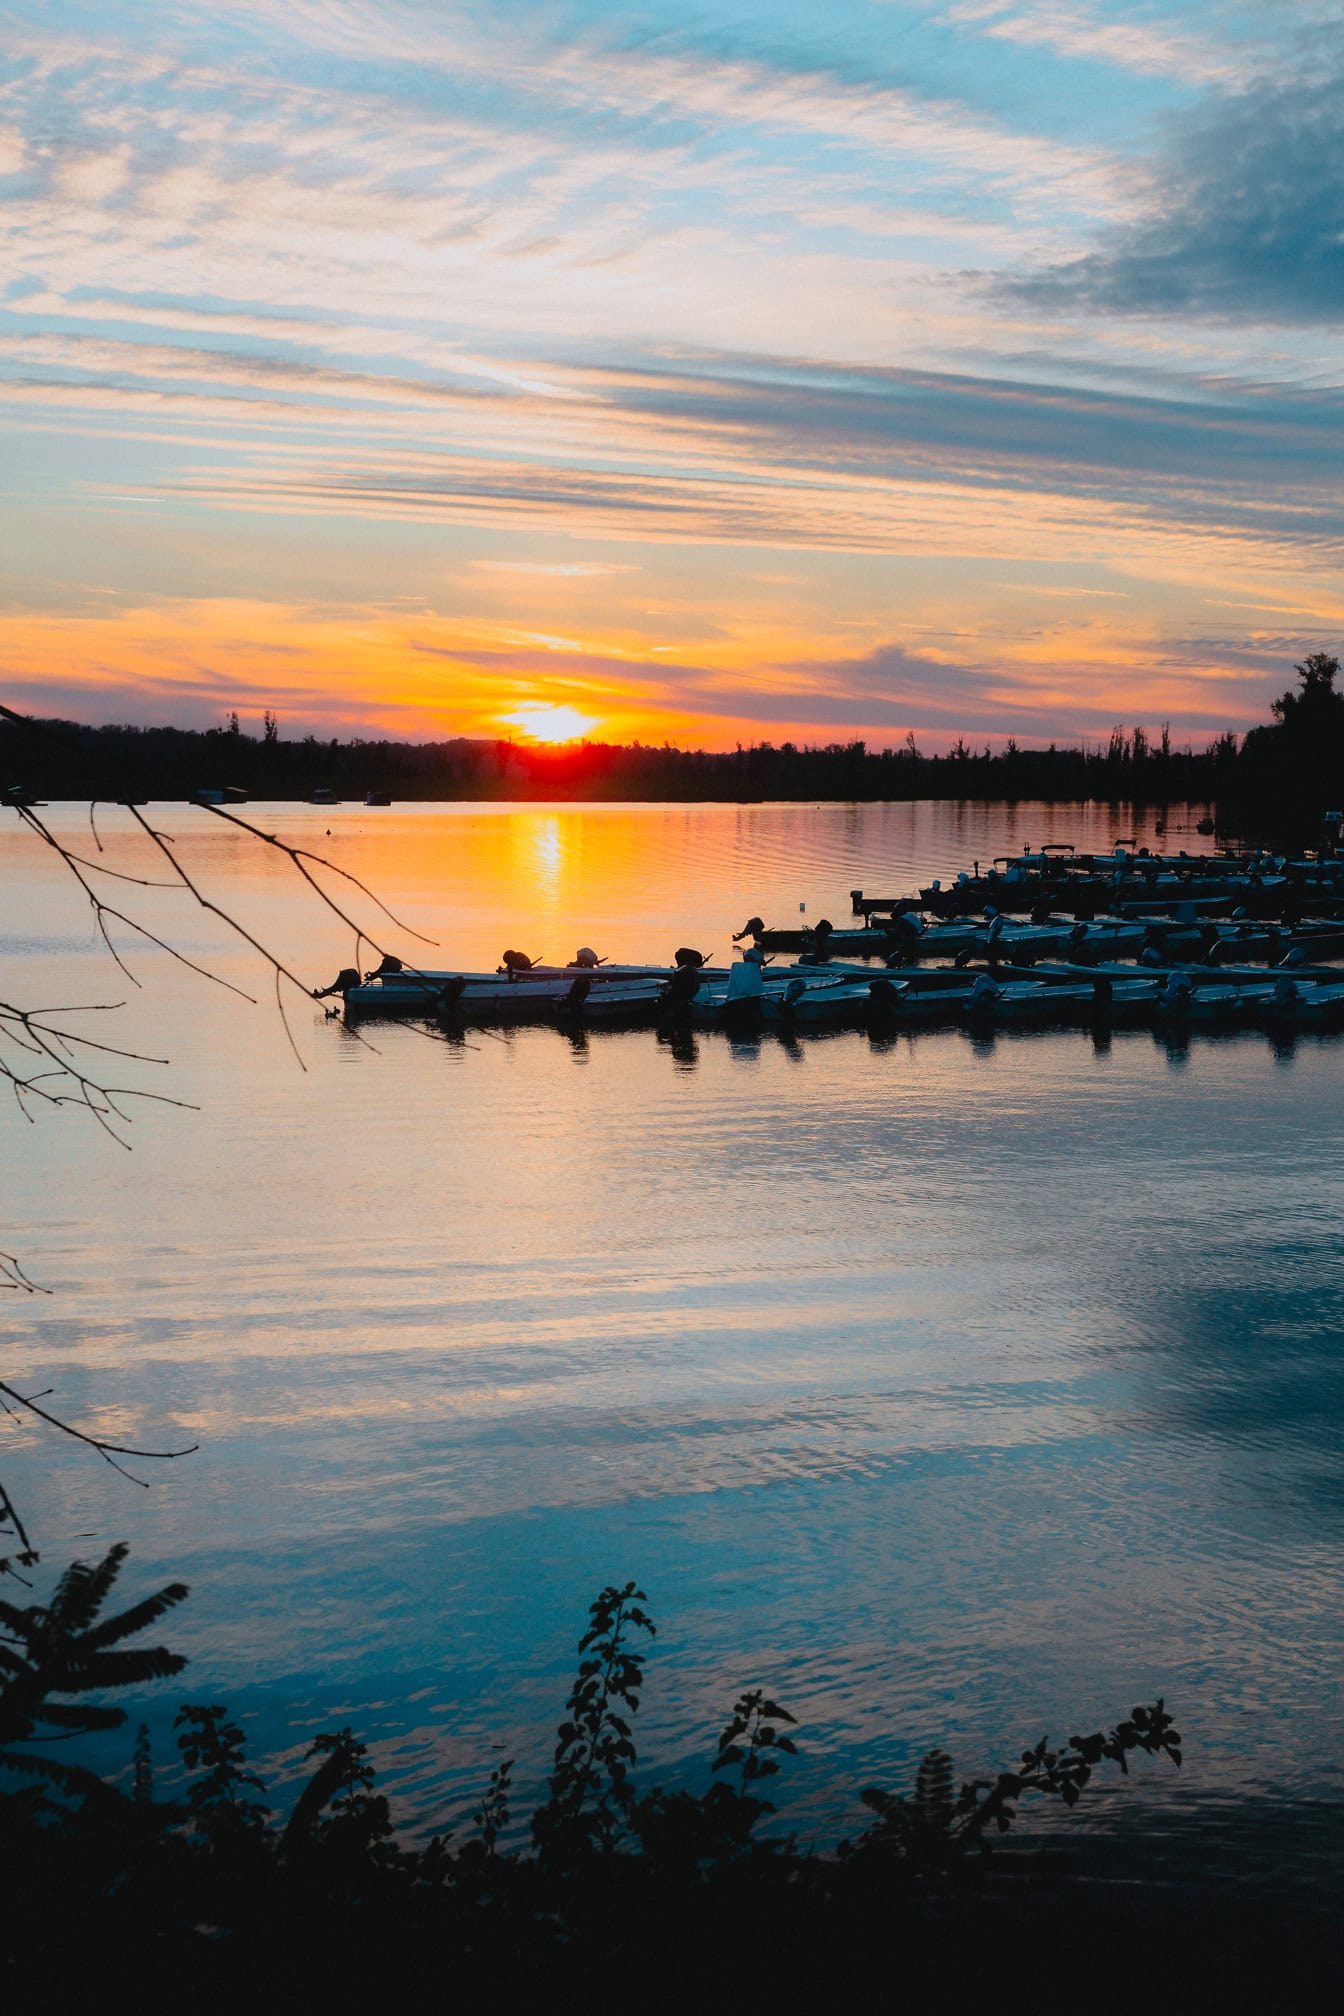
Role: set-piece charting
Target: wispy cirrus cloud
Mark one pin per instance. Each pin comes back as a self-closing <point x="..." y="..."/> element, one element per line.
<point x="1151" y="40"/>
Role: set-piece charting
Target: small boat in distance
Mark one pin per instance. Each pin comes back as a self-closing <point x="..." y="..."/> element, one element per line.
<point x="324" y="795"/>
<point x="376" y="798"/>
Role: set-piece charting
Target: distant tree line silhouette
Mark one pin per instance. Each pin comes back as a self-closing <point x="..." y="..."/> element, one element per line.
<point x="159" y="763"/>
<point x="1286" y="772"/>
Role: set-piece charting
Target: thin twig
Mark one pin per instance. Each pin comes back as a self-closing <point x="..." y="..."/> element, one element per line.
<point x="104" y="1448"/>
<point x="298" y="855"/>
<point x="118" y="874"/>
<point x="102" y="911"/>
<point x="12" y="1275"/>
<point x="284" y="1022"/>
<point x="161" y="842"/>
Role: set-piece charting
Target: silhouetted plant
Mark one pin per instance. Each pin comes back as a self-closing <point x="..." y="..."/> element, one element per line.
<point x="142" y="1770"/>
<point x="219" y="1798"/>
<point x="492" y="1815"/>
<point x="61" y="1648"/>
<point x="930" y="1832"/>
<point x="754" y="1717"/>
<point x="1063" y="1773"/>
<point x="358" y="1821"/>
<point x="591" y="1789"/>
<point x="934" y="1799"/>
<point x="695" y="1872"/>
<point x="747" y="1746"/>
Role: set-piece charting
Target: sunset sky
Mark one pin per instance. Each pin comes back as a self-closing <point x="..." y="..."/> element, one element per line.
<point x="729" y="373"/>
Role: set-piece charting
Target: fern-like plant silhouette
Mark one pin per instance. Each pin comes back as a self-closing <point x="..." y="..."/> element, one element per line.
<point x="63" y="1648"/>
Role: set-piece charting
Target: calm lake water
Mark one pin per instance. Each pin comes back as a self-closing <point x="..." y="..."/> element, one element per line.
<point x="955" y="1388"/>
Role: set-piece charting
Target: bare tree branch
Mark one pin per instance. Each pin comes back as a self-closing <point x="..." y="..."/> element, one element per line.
<point x="102" y="911"/>
<point x="9" y="1399"/>
<point x="12" y="1275"/>
<point x="298" y="855"/>
<point x="60" y="1081"/>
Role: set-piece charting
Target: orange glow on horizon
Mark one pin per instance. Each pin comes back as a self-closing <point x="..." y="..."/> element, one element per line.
<point x="378" y="672"/>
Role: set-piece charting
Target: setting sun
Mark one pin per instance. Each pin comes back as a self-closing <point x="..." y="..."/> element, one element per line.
<point x="541" y="722"/>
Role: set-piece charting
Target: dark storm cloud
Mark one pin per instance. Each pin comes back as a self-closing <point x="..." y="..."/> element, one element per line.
<point x="1248" y="221"/>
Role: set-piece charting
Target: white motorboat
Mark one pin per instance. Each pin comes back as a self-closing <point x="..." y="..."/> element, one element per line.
<point x="518" y="986"/>
<point x="834" y="1004"/>
<point x="994" y="1000"/>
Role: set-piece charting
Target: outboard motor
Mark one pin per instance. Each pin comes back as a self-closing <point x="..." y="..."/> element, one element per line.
<point x="684" y="985"/>
<point x="585" y="956"/>
<point x="344" y="981"/>
<point x="517" y="962"/>
<point x="578" y="993"/>
<point x="1285" y="993"/>
<point x="687" y="956"/>
<point x="450" y="994"/>
<point x="904" y="936"/>
<point x="796" y="989"/>
<point x="984" y="993"/>
<point x="1296" y="956"/>
<point x="1077" y="935"/>
<point x="387" y="965"/>
<point x="820" y="944"/>
<point x="1151" y="956"/>
<point x="1177" y="991"/>
<point x="883" y="996"/>
<point x="751" y="929"/>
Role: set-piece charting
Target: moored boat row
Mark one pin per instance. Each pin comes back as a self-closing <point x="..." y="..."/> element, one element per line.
<point x="1171" y="957"/>
<point x="828" y="996"/>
